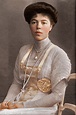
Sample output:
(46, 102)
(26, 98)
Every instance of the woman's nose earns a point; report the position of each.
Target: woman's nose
(39, 25)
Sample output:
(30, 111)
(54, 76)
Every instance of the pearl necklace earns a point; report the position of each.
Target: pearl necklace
(36, 57)
(39, 51)
(25, 82)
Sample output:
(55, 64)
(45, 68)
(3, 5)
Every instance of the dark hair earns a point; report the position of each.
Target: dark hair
(40, 7)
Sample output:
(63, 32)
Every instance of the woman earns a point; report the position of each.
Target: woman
(41, 69)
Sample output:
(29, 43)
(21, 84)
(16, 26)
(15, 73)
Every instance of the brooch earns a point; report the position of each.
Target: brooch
(44, 85)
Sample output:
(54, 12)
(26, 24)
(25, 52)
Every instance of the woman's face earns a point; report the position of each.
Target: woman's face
(40, 26)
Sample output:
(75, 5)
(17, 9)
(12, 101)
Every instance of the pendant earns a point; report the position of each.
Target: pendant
(36, 57)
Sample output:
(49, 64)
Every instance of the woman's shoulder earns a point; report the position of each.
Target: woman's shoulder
(59, 55)
(25, 47)
(59, 51)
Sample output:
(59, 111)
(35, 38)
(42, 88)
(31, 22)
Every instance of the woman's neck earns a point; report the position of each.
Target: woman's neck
(40, 45)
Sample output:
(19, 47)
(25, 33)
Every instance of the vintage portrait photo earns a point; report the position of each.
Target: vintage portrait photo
(37, 57)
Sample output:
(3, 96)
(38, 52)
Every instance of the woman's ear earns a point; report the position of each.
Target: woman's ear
(50, 28)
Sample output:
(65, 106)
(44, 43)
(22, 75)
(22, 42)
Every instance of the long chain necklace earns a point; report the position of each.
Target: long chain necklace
(17, 97)
(40, 57)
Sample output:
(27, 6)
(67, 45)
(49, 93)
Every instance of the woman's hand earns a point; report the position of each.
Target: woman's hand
(4, 105)
(10, 105)
(15, 105)
(19, 105)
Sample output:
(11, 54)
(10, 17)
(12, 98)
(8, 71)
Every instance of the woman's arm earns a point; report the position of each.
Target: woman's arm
(50, 99)
(16, 84)
(12, 92)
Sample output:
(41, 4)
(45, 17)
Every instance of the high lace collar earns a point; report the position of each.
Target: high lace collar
(40, 45)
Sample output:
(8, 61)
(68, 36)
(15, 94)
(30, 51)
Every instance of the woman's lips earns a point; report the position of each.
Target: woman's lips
(38, 32)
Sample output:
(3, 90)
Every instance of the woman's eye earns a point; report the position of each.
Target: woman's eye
(33, 22)
(44, 22)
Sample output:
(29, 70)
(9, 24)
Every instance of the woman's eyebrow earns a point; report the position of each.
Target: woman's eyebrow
(33, 19)
(37, 20)
(43, 20)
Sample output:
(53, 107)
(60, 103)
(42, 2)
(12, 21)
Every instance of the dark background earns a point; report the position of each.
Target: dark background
(14, 33)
